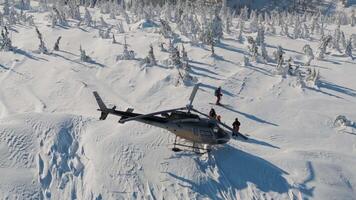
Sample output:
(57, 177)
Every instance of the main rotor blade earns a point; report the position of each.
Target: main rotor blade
(192, 96)
(150, 114)
(222, 124)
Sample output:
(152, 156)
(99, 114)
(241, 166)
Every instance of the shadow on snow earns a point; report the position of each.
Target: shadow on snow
(236, 169)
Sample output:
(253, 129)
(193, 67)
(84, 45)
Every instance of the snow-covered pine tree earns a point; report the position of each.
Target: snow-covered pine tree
(336, 38)
(322, 47)
(343, 40)
(252, 48)
(278, 54)
(166, 29)
(241, 29)
(174, 58)
(83, 56)
(308, 51)
(246, 61)
(87, 17)
(42, 46)
(353, 36)
(260, 38)
(216, 28)
(126, 54)
(348, 49)
(297, 28)
(264, 52)
(5, 41)
(6, 7)
(306, 32)
(113, 39)
(353, 18)
(56, 45)
(185, 58)
(120, 27)
(150, 60)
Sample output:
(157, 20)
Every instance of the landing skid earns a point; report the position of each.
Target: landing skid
(194, 148)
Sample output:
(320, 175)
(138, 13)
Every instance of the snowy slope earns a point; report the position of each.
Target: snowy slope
(53, 147)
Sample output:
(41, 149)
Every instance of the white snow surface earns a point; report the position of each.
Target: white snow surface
(52, 145)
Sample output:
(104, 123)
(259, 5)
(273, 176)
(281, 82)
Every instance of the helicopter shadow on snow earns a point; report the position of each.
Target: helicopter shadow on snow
(232, 170)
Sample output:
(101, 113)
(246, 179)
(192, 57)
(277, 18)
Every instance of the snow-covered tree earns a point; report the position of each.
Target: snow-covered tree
(217, 28)
(150, 60)
(322, 47)
(313, 78)
(343, 40)
(120, 27)
(260, 38)
(5, 41)
(246, 61)
(42, 47)
(126, 54)
(353, 36)
(56, 45)
(297, 29)
(241, 30)
(174, 58)
(252, 48)
(87, 17)
(264, 52)
(336, 39)
(166, 29)
(348, 49)
(308, 51)
(278, 54)
(6, 7)
(83, 56)
(353, 18)
(185, 58)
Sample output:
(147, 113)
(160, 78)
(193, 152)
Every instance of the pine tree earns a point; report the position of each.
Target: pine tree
(83, 56)
(87, 17)
(241, 29)
(216, 28)
(260, 38)
(56, 45)
(348, 49)
(322, 47)
(42, 47)
(278, 55)
(252, 47)
(309, 54)
(264, 52)
(150, 60)
(5, 41)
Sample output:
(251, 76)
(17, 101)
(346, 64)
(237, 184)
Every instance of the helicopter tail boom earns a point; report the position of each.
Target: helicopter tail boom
(102, 107)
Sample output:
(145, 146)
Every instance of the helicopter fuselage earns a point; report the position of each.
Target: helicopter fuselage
(184, 125)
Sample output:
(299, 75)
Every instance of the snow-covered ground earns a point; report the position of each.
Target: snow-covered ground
(52, 145)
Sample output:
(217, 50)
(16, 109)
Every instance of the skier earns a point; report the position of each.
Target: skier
(212, 113)
(236, 126)
(218, 95)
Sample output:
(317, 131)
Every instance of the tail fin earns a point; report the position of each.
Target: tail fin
(103, 108)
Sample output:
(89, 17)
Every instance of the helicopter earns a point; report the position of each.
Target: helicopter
(184, 122)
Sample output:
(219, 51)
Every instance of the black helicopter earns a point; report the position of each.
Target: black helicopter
(200, 130)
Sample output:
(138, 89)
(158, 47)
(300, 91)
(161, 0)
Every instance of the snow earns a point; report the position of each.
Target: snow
(52, 145)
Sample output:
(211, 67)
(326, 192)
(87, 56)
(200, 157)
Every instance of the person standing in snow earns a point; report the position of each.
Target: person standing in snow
(212, 113)
(218, 95)
(236, 126)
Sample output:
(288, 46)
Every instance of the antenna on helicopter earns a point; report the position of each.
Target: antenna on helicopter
(192, 96)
